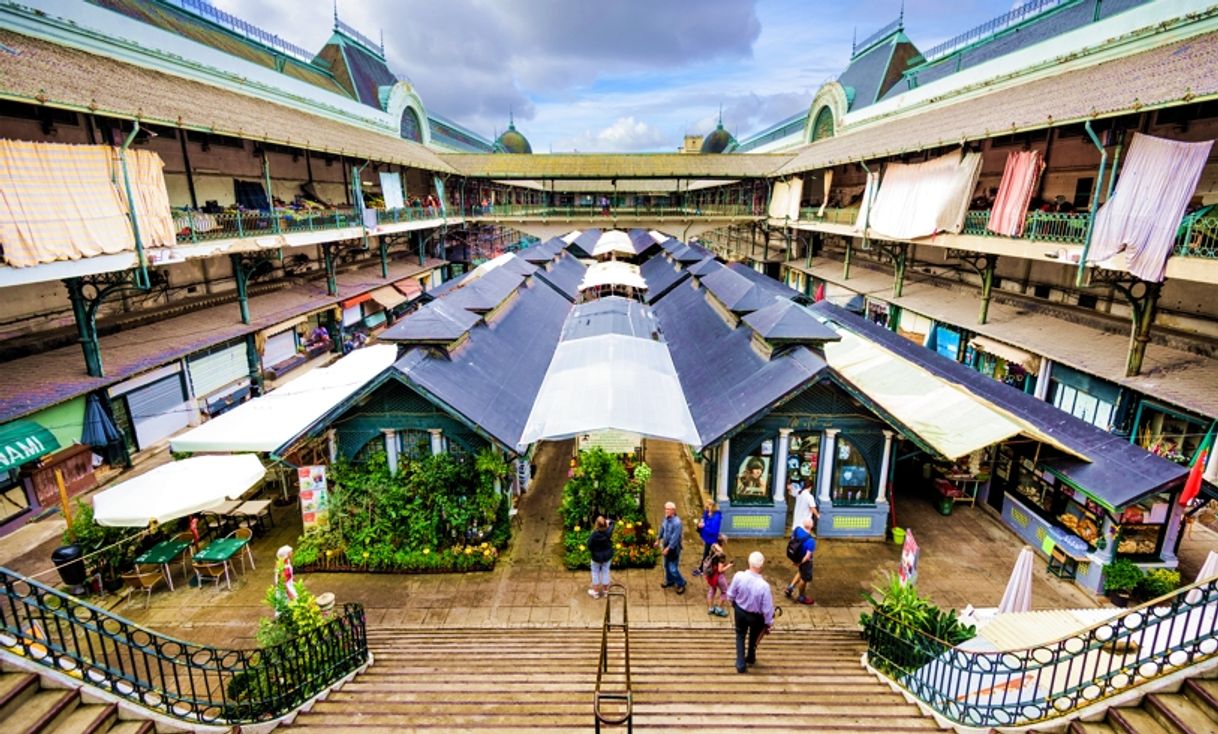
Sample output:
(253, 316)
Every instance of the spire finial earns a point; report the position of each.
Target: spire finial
(383, 40)
(901, 16)
(854, 38)
(511, 119)
(335, 13)
(720, 114)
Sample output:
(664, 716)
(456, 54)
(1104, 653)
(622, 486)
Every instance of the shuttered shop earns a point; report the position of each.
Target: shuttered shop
(210, 372)
(158, 409)
(279, 348)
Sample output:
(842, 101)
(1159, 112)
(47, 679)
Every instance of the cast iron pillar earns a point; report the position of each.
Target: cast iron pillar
(846, 260)
(87, 292)
(983, 265)
(327, 255)
(253, 361)
(898, 253)
(245, 269)
(384, 249)
(1143, 298)
(86, 328)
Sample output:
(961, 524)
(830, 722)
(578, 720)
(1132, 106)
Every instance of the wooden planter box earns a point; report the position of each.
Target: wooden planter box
(75, 463)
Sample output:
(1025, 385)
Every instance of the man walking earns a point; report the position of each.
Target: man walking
(803, 573)
(670, 547)
(754, 605)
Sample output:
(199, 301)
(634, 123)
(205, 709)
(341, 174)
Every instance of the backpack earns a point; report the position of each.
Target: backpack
(795, 549)
(709, 565)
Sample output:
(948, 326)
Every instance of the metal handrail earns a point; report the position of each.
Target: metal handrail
(192, 683)
(626, 695)
(993, 25)
(1054, 679)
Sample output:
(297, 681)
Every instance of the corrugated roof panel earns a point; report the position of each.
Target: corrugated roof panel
(439, 322)
(661, 276)
(787, 321)
(564, 275)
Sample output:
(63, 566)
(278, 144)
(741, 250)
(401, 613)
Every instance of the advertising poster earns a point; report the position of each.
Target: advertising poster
(314, 497)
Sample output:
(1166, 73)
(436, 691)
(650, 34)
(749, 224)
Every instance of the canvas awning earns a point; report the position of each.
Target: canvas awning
(409, 287)
(270, 422)
(23, 441)
(612, 381)
(613, 272)
(388, 297)
(357, 300)
(1028, 361)
(949, 419)
(177, 489)
(613, 241)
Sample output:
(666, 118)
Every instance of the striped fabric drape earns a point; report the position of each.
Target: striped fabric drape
(65, 202)
(1009, 212)
(1156, 181)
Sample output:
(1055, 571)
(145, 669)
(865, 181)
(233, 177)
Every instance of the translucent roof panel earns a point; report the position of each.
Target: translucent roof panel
(613, 272)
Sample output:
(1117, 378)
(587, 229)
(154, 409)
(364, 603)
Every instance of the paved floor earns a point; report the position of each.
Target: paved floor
(966, 559)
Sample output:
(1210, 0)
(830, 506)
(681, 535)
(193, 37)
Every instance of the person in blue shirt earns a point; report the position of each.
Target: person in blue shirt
(669, 543)
(804, 573)
(708, 530)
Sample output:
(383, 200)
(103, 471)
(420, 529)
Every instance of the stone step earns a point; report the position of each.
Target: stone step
(581, 706)
(1091, 727)
(15, 690)
(544, 719)
(132, 727)
(779, 726)
(88, 719)
(41, 712)
(1203, 694)
(1135, 721)
(1178, 714)
(353, 697)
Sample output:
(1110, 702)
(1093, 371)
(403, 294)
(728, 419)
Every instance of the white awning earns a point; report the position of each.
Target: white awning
(613, 241)
(612, 272)
(613, 382)
(177, 489)
(1028, 361)
(277, 418)
(572, 236)
(388, 297)
(948, 418)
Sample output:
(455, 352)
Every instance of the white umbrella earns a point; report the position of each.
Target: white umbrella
(177, 489)
(1209, 569)
(1018, 596)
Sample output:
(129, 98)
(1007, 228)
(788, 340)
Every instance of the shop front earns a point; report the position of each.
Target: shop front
(1005, 363)
(1169, 432)
(822, 441)
(1080, 525)
(1085, 397)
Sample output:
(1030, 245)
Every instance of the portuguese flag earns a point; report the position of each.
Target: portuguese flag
(1193, 485)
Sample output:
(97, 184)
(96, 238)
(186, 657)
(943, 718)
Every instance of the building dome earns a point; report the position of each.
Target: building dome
(511, 141)
(719, 141)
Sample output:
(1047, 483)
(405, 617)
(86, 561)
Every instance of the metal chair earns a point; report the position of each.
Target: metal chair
(190, 551)
(212, 524)
(215, 572)
(246, 534)
(143, 578)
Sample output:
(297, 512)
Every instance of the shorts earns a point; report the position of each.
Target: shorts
(805, 571)
(600, 573)
(716, 583)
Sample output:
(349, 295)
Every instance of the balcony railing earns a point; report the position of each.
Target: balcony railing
(1068, 227)
(193, 683)
(1198, 237)
(848, 215)
(539, 211)
(1056, 679)
(202, 227)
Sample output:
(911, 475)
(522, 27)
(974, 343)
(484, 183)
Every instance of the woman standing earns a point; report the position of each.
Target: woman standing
(716, 566)
(600, 545)
(708, 530)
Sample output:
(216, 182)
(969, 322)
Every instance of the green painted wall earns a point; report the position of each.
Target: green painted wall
(66, 420)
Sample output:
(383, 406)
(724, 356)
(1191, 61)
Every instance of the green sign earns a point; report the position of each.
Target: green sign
(22, 442)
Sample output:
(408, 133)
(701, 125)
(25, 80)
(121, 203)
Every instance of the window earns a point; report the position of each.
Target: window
(851, 480)
(413, 444)
(752, 483)
(1084, 406)
(1082, 192)
(822, 127)
(410, 129)
(803, 459)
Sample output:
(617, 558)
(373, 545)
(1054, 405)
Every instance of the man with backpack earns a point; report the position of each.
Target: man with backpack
(800, 548)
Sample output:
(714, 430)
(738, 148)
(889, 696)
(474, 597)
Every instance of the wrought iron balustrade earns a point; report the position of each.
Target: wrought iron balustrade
(1052, 680)
(539, 211)
(833, 215)
(1065, 227)
(194, 227)
(193, 683)
(1198, 237)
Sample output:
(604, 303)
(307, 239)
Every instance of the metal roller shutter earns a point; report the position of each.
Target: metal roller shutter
(279, 348)
(158, 409)
(211, 372)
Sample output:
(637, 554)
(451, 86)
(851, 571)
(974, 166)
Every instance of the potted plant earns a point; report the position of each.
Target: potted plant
(1121, 577)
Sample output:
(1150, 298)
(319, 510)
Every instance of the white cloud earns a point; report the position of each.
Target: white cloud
(625, 134)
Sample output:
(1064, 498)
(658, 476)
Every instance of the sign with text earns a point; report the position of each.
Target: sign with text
(314, 497)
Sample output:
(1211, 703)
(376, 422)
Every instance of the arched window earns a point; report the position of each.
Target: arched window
(411, 128)
(822, 125)
(851, 480)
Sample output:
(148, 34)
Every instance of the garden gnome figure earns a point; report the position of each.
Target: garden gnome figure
(285, 559)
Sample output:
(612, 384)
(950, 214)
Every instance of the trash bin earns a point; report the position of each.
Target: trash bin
(67, 560)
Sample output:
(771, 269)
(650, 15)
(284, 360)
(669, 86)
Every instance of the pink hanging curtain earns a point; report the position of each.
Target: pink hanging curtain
(1015, 192)
(1157, 180)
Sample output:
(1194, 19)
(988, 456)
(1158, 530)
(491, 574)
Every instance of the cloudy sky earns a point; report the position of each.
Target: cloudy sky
(615, 75)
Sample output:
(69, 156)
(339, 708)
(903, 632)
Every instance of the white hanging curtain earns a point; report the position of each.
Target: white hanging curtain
(824, 202)
(873, 183)
(1157, 180)
(794, 194)
(922, 199)
(391, 190)
(778, 199)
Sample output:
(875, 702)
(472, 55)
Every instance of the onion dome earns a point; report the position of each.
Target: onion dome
(511, 141)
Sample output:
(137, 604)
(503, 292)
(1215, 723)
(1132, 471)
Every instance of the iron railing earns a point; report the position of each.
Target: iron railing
(1198, 237)
(1006, 20)
(193, 683)
(201, 227)
(833, 215)
(240, 27)
(1055, 679)
(541, 211)
(1068, 227)
(614, 705)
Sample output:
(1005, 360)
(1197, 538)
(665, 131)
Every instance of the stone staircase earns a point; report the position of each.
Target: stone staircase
(27, 707)
(1191, 710)
(542, 681)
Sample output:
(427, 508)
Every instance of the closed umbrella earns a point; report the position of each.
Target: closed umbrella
(1209, 570)
(1018, 596)
(99, 431)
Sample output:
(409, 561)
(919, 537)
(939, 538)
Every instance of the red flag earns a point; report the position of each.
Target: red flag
(819, 295)
(1193, 485)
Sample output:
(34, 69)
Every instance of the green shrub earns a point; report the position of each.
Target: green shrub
(634, 546)
(1158, 582)
(1122, 576)
(906, 631)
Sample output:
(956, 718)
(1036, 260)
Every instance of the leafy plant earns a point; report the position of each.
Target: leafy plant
(109, 551)
(1158, 582)
(633, 546)
(906, 631)
(1122, 576)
